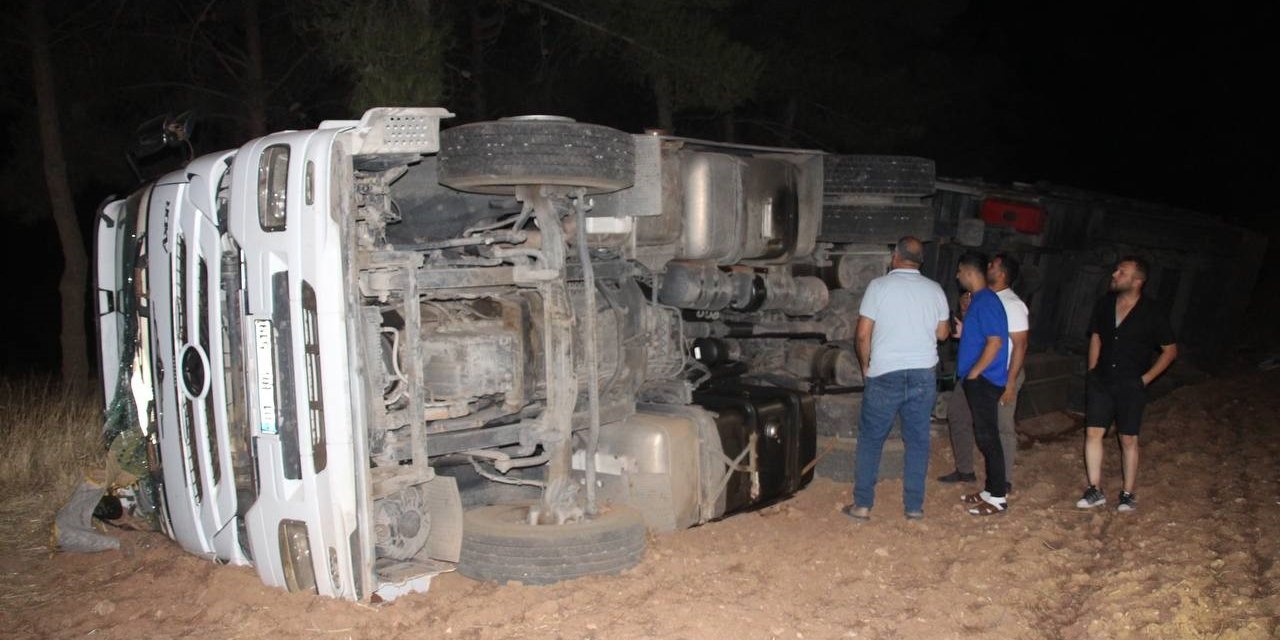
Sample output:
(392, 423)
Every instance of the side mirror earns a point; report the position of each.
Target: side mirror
(162, 132)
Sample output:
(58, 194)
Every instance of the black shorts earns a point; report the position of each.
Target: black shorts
(1119, 401)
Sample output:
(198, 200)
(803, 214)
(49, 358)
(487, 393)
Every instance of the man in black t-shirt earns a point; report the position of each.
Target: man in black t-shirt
(1126, 330)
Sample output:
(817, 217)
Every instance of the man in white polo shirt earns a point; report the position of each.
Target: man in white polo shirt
(902, 318)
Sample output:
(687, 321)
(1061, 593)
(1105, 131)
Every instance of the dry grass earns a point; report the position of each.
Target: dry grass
(49, 438)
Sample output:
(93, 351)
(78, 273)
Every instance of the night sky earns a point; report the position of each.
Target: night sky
(1166, 106)
(1138, 100)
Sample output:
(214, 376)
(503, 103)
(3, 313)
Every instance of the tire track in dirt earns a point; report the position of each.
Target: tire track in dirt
(1062, 549)
(1255, 430)
(1209, 478)
(1196, 541)
(1083, 565)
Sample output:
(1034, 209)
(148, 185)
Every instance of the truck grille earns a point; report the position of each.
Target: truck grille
(315, 394)
(180, 322)
(234, 390)
(210, 418)
(287, 406)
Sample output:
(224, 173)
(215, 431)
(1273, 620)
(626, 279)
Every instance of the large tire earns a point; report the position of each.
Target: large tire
(883, 223)
(499, 545)
(496, 157)
(878, 175)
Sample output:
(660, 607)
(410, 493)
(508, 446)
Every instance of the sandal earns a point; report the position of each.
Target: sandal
(975, 498)
(988, 509)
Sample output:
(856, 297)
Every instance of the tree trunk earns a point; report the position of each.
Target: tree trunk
(479, 102)
(75, 261)
(789, 122)
(728, 127)
(662, 96)
(255, 89)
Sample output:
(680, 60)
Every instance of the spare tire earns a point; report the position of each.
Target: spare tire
(878, 175)
(496, 157)
(498, 544)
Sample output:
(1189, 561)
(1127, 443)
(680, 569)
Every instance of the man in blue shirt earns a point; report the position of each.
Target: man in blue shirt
(902, 317)
(983, 361)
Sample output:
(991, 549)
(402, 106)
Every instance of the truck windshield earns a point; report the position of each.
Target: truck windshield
(130, 415)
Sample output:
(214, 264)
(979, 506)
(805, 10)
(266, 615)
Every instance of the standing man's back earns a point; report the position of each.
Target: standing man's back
(902, 318)
(905, 306)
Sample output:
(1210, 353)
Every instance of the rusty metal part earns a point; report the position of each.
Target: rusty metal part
(556, 424)
(591, 356)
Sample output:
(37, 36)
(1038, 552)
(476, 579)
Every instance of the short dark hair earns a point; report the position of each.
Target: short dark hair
(974, 259)
(1140, 265)
(1010, 266)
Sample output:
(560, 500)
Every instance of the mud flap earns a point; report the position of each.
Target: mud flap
(444, 508)
(443, 549)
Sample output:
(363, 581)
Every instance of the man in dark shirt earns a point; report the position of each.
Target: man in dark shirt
(1126, 330)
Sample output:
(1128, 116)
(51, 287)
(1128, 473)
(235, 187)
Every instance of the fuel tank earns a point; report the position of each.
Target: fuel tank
(782, 423)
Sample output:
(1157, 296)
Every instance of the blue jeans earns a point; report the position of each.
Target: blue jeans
(909, 393)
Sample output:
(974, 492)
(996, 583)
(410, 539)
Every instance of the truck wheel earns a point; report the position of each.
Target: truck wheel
(499, 545)
(878, 175)
(496, 157)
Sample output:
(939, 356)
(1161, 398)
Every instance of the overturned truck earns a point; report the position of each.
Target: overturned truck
(358, 356)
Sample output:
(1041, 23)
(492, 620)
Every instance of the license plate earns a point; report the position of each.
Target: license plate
(266, 376)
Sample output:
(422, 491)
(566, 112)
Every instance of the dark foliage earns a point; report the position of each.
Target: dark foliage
(1115, 97)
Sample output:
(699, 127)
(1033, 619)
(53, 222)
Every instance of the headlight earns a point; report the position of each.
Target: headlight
(295, 556)
(273, 185)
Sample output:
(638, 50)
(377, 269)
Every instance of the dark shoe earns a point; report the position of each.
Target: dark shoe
(956, 476)
(914, 515)
(857, 514)
(1128, 502)
(1092, 498)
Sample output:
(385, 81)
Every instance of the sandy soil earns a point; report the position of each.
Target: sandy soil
(1198, 560)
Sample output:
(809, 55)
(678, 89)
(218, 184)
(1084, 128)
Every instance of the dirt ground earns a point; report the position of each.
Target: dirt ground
(1198, 560)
